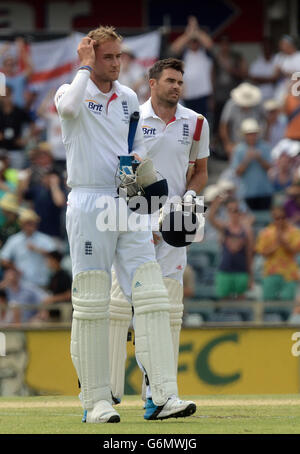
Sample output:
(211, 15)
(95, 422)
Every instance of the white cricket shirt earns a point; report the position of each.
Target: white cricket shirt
(96, 131)
(169, 145)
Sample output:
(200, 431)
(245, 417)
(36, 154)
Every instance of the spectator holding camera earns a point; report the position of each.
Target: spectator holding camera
(251, 162)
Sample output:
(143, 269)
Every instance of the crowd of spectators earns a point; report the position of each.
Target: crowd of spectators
(254, 115)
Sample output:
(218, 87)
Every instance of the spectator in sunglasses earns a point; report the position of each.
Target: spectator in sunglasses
(234, 275)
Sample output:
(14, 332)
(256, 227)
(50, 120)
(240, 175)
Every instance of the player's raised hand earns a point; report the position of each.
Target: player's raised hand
(86, 51)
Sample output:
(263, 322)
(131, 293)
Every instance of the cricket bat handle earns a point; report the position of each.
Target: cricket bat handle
(194, 148)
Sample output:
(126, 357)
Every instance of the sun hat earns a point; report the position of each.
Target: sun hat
(246, 95)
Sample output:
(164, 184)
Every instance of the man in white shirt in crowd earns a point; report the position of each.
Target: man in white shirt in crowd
(261, 71)
(193, 47)
(287, 62)
(168, 131)
(95, 113)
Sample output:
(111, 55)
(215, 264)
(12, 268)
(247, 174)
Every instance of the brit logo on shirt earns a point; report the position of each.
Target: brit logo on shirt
(148, 131)
(94, 107)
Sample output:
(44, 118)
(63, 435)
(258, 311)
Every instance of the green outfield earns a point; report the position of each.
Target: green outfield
(268, 414)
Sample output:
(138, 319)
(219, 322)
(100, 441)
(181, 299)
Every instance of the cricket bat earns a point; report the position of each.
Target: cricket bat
(194, 148)
(134, 119)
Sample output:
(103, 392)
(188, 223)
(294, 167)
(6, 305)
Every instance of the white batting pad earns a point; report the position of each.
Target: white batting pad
(153, 340)
(120, 314)
(89, 337)
(175, 293)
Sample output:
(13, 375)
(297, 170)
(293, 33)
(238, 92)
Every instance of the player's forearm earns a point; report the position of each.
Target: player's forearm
(198, 181)
(70, 102)
(179, 44)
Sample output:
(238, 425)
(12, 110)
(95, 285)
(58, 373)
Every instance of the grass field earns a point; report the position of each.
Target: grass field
(269, 414)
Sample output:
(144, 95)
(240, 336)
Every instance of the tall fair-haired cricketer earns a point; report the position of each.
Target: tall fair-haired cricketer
(94, 111)
(168, 132)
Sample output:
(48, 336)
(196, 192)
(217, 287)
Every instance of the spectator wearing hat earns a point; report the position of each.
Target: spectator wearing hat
(234, 275)
(26, 250)
(194, 47)
(10, 211)
(244, 102)
(279, 244)
(276, 122)
(251, 163)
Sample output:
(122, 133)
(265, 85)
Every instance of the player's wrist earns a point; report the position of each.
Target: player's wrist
(87, 65)
(191, 193)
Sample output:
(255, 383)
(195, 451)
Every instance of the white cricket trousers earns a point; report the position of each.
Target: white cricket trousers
(92, 249)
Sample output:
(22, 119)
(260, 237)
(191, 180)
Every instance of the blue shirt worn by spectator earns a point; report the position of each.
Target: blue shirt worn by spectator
(18, 84)
(25, 295)
(32, 264)
(255, 178)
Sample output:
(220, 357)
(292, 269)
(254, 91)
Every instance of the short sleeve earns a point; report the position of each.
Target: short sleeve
(203, 151)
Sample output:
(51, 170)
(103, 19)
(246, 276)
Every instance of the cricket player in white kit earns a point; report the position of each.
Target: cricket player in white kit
(168, 129)
(94, 111)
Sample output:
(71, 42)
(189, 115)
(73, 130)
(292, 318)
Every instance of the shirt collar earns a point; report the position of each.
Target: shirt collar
(94, 90)
(149, 112)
